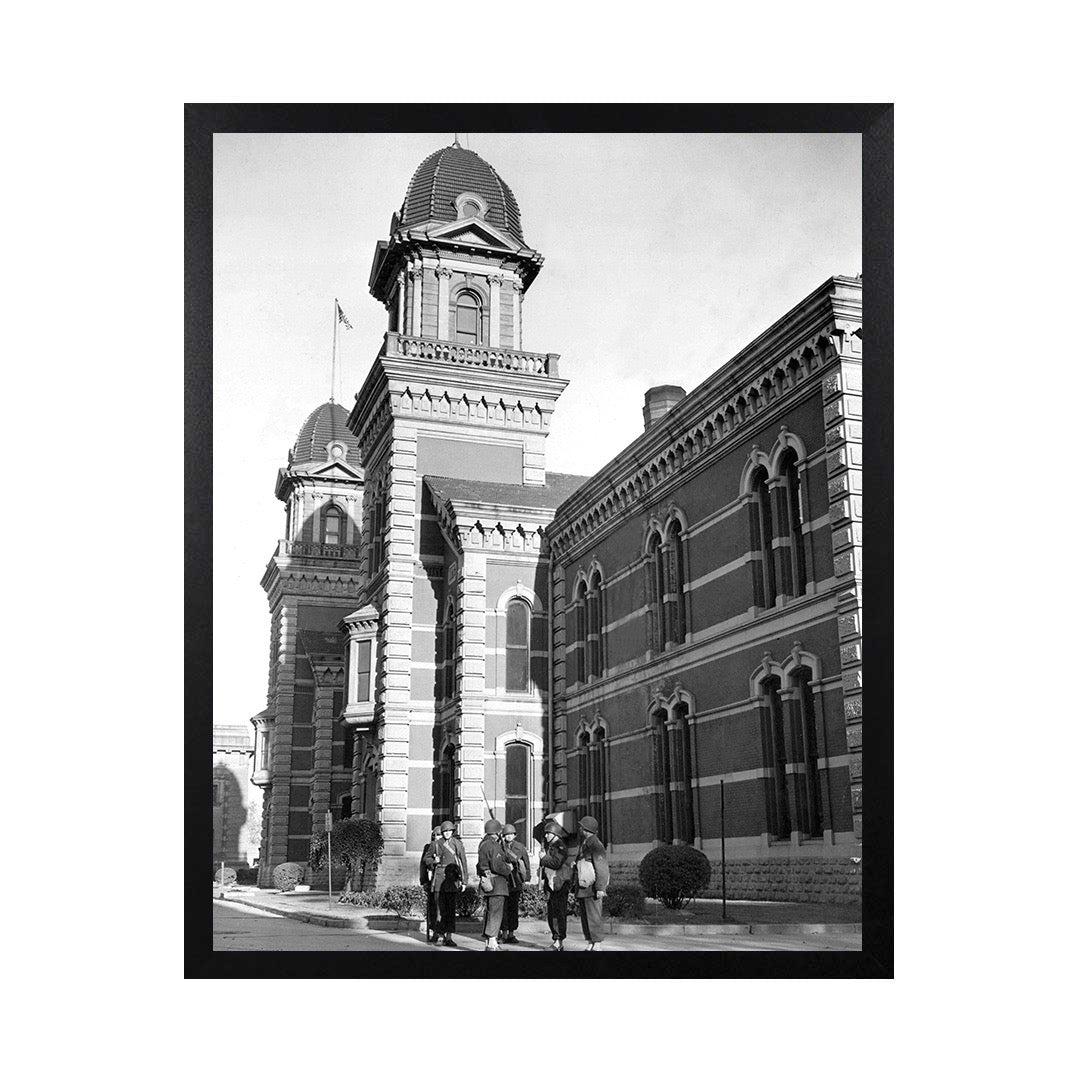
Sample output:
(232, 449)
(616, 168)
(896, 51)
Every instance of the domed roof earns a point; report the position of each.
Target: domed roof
(445, 175)
(327, 424)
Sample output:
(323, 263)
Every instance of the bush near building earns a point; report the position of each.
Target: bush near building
(624, 902)
(675, 874)
(288, 875)
(226, 876)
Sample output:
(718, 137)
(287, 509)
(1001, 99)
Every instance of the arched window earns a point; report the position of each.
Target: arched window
(470, 209)
(583, 773)
(594, 627)
(517, 647)
(468, 319)
(332, 526)
(581, 634)
(661, 776)
(518, 770)
(804, 728)
(795, 577)
(776, 760)
(761, 537)
(598, 781)
(654, 587)
(676, 621)
(681, 780)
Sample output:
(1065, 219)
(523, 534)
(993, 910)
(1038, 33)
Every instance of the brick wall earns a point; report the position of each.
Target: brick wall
(817, 881)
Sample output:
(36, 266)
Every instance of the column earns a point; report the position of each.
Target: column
(400, 326)
(472, 642)
(416, 276)
(397, 661)
(842, 395)
(350, 520)
(516, 286)
(443, 276)
(495, 319)
(316, 513)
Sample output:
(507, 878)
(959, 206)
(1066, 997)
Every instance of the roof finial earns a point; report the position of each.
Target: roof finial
(456, 143)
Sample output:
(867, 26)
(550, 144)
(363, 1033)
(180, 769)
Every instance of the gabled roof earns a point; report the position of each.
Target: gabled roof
(559, 487)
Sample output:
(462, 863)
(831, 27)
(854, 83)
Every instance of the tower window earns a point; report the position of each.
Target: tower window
(517, 646)
(470, 209)
(331, 526)
(469, 316)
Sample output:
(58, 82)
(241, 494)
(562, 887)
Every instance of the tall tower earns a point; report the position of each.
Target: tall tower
(303, 753)
(449, 678)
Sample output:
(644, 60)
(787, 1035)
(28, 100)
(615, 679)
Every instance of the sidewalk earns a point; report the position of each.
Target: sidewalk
(701, 919)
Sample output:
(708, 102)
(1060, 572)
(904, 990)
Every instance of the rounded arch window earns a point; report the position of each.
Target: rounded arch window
(518, 613)
(468, 318)
(470, 208)
(332, 526)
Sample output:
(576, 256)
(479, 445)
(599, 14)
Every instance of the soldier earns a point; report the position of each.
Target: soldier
(518, 855)
(450, 867)
(556, 869)
(427, 866)
(591, 875)
(493, 867)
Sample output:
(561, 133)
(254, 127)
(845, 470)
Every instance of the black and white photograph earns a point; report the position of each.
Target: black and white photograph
(537, 544)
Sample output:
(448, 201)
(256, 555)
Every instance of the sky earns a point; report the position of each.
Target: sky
(664, 254)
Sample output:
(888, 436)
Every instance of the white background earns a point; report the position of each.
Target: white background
(985, 738)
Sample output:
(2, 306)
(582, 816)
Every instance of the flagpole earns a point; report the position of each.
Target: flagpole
(333, 359)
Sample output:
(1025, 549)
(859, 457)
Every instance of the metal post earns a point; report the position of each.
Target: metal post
(329, 860)
(723, 857)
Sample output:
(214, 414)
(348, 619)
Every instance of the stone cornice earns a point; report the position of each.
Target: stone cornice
(477, 526)
(742, 396)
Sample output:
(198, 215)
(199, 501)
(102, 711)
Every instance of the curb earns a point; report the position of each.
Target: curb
(392, 923)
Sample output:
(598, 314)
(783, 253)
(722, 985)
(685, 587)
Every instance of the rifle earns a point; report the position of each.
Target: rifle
(491, 813)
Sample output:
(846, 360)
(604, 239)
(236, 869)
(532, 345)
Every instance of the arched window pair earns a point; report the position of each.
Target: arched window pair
(776, 531)
(469, 320)
(589, 618)
(665, 556)
(790, 746)
(592, 775)
(672, 771)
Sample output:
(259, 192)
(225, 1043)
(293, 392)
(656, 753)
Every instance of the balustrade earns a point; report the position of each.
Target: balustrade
(450, 352)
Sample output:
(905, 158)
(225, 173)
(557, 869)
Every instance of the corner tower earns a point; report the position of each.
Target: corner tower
(449, 646)
(303, 753)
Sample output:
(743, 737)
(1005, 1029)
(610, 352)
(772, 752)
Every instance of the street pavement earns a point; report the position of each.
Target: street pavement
(238, 928)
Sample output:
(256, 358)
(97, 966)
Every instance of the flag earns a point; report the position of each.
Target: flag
(341, 317)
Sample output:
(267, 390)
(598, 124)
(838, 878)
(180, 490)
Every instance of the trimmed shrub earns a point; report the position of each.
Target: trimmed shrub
(468, 903)
(247, 875)
(674, 874)
(288, 875)
(624, 902)
(405, 900)
(225, 876)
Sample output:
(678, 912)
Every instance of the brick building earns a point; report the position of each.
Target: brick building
(477, 632)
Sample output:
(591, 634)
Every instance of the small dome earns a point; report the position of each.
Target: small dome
(326, 425)
(451, 172)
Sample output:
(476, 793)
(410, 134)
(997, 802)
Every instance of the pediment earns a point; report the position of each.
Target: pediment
(335, 470)
(473, 230)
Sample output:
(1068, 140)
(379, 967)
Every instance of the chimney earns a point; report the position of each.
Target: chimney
(659, 401)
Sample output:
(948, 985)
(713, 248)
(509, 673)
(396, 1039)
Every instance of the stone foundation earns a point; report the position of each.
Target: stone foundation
(800, 881)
